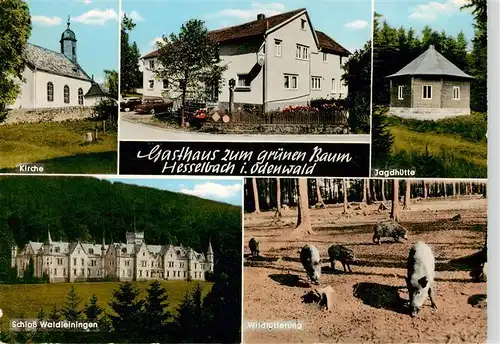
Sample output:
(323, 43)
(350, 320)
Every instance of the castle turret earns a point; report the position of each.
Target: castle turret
(68, 44)
(210, 256)
(47, 245)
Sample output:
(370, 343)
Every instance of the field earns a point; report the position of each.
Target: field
(458, 146)
(59, 146)
(27, 299)
(370, 303)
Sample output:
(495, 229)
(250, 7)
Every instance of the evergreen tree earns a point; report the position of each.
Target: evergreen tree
(41, 314)
(130, 75)
(128, 319)
(189, 323)
(155, 311)
(92, 310)
(29, 274)
(55, 314)
(70, 310)
(382, 139)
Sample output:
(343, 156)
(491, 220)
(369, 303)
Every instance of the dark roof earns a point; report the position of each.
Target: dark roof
(329, 45)
(53, 62)
(431, 62)
(95, 90)
(257, 28)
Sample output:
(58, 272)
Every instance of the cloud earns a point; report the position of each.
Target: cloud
(154, 42)
(241, 15)
(96, 17)
(210, 189)
(432, 10)
(47, 21)
(135, 16)
(357, 24)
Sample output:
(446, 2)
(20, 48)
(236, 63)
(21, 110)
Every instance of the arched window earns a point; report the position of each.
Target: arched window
(80, 96)
(50, 92)
(66, 94)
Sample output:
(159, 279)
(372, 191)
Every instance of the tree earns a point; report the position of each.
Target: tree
(318, 193)
(190, 61)
(130, 75)
(29, 274)
(365, 187)
(256, 195)
(382, 138)
(188, 322)
(303, 214)
(426, 189)
(54, 315)
(111, 83)
(406, 204)
(155, 311)
(41, 314)
(278, 198)
(344, 192)
(92, 310)
(70, 310)
(382, 187)
(395, 200)
(128, 319)
(15, 29)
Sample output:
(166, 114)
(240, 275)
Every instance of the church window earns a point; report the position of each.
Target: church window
(50, 92)
(80, 96)
(66, 97)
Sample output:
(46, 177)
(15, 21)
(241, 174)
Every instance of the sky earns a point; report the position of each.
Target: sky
(347, 22)
(222, 190)
(96, 26)
(438, 15)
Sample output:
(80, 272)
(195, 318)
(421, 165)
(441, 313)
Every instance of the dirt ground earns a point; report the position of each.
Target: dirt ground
(370, 302)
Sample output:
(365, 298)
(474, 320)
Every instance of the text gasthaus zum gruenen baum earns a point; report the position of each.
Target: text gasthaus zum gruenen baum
(241, 162)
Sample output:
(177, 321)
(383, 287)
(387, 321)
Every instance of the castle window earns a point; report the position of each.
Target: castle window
(79, 251)
(55, 272)
(64, 272)
(83, 272)
(184, 274)
(57, 250)
(140, 273)
(74, 261)
(66, 100)
(143, 254)
(74, 272)
(88, 272)
(80, 96)
(83, 262)
(168, 273)
(147, 273)
(195, 265)
(427, 92)
(50, 92)
(400, 92)
(91, 250)
(456, 92)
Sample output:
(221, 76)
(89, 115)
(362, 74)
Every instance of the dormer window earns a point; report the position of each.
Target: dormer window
(91, 251)
(303, 23)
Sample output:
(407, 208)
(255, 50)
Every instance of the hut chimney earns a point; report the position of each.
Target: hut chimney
(261, 16)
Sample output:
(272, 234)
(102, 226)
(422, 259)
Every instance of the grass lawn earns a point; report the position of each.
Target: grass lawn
(59, 146)
(29, 298)
(457, 145)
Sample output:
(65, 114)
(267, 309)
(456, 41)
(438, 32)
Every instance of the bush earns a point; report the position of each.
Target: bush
(106, 110)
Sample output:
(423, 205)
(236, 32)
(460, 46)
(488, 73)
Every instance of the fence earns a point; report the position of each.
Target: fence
(337, 117)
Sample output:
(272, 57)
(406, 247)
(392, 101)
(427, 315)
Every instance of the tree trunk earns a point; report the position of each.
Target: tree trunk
(344, 191)
(454, 190)
(406, 205)
(426, 190)
(458, 188)
(445, 191)
(395, 200)
(303, 215)
(364, 190)
(382, 189)
(256, 195)
(278, 198)
(372, 197)
(318, 193)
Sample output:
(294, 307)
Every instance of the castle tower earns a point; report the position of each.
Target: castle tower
(68, 44)
(210, 256)
(46, 263)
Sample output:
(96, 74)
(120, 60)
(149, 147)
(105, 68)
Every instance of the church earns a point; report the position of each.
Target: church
(130, 261)
(55, 79)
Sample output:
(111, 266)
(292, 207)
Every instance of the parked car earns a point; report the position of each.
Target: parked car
(129, 104)
(154, 106)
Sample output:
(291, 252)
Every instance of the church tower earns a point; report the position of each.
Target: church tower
(68, 44)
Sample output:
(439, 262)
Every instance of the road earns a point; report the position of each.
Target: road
(141, 132)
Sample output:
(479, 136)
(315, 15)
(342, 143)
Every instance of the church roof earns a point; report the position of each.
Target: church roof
(431, 62)
(53, 62)
(95, 90)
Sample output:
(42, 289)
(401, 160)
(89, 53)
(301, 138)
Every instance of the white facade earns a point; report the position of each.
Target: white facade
(35, 91)
(134, 260)
(296, 68)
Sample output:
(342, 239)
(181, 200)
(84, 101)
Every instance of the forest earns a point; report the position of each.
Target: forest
(81, 208)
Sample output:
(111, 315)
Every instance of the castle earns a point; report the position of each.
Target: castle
(135, 260)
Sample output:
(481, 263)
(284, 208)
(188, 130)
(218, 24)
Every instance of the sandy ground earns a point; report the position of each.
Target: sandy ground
(370, 303)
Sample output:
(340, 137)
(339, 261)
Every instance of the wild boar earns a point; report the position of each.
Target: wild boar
(343, 255)
(254, 247)
(309, 256)
(389, 228)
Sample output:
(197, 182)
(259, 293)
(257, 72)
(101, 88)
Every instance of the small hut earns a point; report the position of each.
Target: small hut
(430, 87)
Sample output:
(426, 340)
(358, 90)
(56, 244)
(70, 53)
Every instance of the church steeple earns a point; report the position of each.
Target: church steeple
(68, 43)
